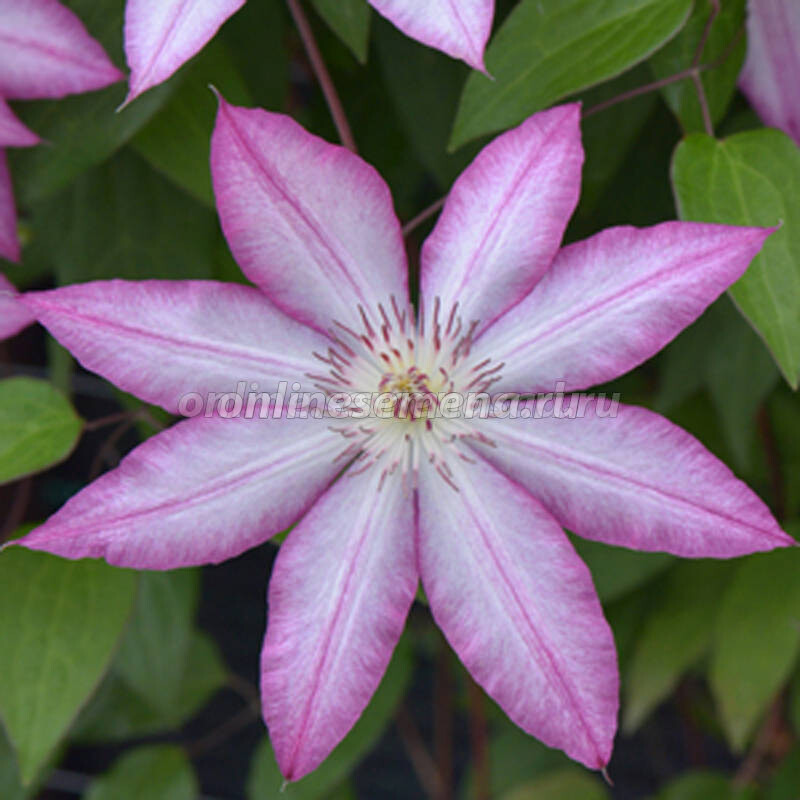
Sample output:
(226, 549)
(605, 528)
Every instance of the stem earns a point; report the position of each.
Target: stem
(423, 216)
(443, 721)
(224, 732)
(751, 766)
(421, 760)
(480, 741)
(708, 124)
(323, 76)
(16, 514)
(715, 9)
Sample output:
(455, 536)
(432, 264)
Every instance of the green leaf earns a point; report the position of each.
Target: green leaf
(38, 427)
(719, 83)
(752, 178)
(705, 786)
(349, 20)
(265, 778)
(177, 140)
(61, 624)
(160, 771)
(548, 49)
(617, 570)
(757, 640)
(559, 785)
(786, 778)
(123, 220)
(10, 784)
(676, 634)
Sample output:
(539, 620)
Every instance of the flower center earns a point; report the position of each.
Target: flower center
(401, 365)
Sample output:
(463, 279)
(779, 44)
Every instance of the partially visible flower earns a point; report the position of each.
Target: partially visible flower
(14, 316)
(161, 35)
(473, 507)
(770, 74)
(45, 52)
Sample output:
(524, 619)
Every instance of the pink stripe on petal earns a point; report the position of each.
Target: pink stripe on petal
(340, 591)
(201, 492)
(9, 239)
(769, 77)
(505, 216)
(12, 132)
(518, 606)
(161, 35)
(612, 301)
(309, 222)
(633, 480)
(161, 340)
(13, 315)
(460, 28)
(45, 51)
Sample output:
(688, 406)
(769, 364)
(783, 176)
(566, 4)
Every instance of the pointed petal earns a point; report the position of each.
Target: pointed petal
(12, 132)
(161, 340)
(9, 239)
(338, 599)
(200, 492)
(161, 35)
(769, 77)
(13, 315)
(633, 480)
(518, 606)
(309, 222)
(612, 301)
(505, 216)
(459, 28)
(45, 51)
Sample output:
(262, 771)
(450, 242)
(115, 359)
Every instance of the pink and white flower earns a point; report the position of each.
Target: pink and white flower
(769, 77)
(162, 35)
(45, 52)
(474, 508)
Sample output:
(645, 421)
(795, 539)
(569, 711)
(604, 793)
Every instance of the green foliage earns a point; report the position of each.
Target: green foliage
(60, 625)
(548, 49)
(265, 778)
(560, 785)
(161, 771)
(705, 786)
(38, 427)
(752, 178)
(349, 19)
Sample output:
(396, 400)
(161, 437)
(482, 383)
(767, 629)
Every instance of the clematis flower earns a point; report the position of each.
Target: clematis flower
(475, 508)
(162, 35)
(769, 77)
(45, 52)
(14, 316)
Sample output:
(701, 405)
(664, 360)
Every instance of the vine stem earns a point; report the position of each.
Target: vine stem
(323, 76)
(423, 216)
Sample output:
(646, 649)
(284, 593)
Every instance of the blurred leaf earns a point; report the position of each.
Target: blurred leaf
(59, 630)
(265, 778)
(719, 83)
(752, 178)
(123, 220)
(617, 570)
(159, 771)
(560, 785)
(757, 640)
(10, 785)
(676, 634)
(177, 140)
(548, 49)
(423, 84)
(38, 427)
(705, 786)
(349, 20)
(786, 779)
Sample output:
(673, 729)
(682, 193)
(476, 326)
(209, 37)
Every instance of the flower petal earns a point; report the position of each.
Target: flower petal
(161, 340)
(9, 239)
(200, 492)
(518, 606)
(460, 28)
(340, 591)
(12, 132)
(309, 222)
(769, 77)
(45, 51)
(634, 480)
(161, 35)
(612, 301)
(505, 216)
(13, 315)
